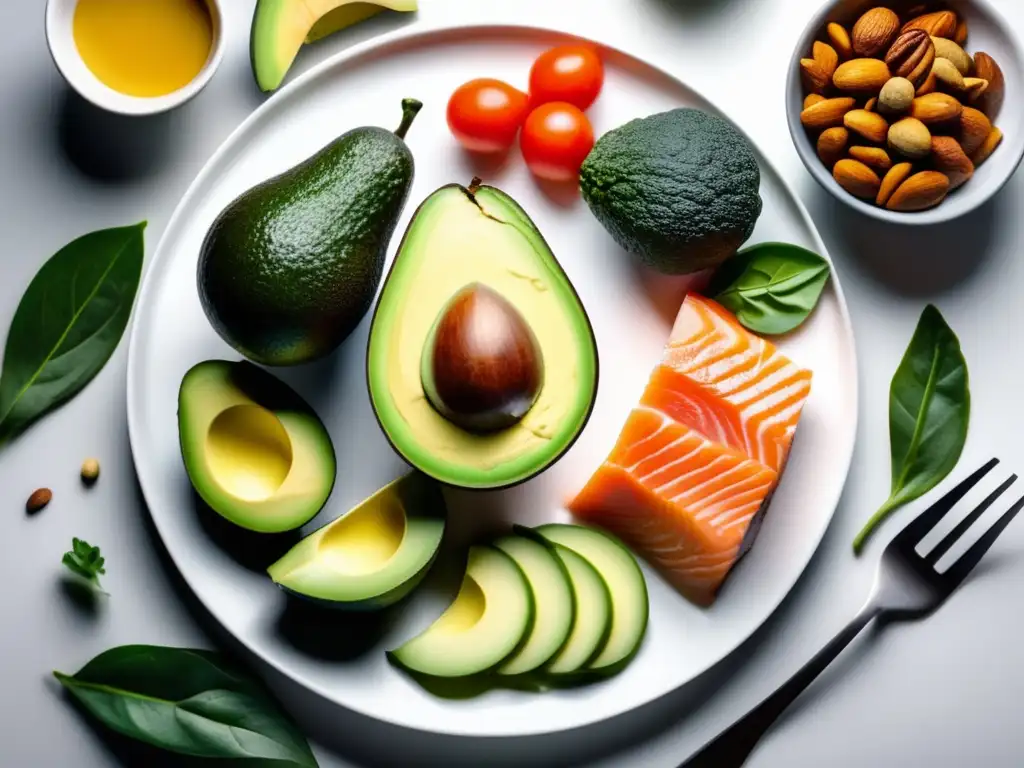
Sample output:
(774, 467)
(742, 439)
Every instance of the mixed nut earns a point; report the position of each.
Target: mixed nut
(901, 112)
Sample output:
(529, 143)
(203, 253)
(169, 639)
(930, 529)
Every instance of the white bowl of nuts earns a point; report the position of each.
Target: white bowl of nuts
(909, 112)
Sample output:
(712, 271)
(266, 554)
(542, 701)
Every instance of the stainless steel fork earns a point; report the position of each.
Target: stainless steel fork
(907, 586)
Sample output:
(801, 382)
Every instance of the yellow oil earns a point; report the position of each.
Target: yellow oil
(144, 47)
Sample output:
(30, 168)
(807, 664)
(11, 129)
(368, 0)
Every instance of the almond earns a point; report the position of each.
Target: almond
(911, 56)
(39, 499)
(947, 49)
(930, 85)
(896, 176)
(832, 146)
(840, 40)
(938, 24)
(826, 57)
(995, 138)
(871, 105)
(948, 75)
(816, 80)
(856, 178)
(874, 158)
(812, 99)
(874, 32)
(975, 87)
(985, 67)
(911, 138)
(949, 158)
(826, 114)
(861, 75)
(975, 127)
(921, 191)
(870, 125)
(960, 36)
(934, 108)
(896, 96)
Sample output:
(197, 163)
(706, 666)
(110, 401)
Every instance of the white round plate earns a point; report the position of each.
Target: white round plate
(342, 658)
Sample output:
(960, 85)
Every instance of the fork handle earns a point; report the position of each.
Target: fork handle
(733, 746)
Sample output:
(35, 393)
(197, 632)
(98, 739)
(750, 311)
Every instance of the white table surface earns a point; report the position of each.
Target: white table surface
(938, 693)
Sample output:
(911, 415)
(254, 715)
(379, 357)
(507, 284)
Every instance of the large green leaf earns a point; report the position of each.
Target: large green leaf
(772, 287)
(68, 324)
(187, 701)
(929, 411)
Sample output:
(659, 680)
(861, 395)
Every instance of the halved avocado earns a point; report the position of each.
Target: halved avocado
(554, 610)
(477, 243)
(593, 616)
(254, 450)
(625, 581)
(280, 27)
(489, 618)
(375, 554)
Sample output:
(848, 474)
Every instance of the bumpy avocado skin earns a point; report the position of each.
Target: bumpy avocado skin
(288, 269)
(679, 189)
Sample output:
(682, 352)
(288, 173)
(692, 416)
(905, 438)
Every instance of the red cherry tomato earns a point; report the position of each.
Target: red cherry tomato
(485, 114)
(571, 73)
(556, 139)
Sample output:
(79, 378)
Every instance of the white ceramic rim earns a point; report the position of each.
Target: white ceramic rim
(64, 51)
(418, 31)
(808, 154)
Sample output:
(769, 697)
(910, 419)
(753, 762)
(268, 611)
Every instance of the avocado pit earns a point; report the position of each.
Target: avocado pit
(482, 367)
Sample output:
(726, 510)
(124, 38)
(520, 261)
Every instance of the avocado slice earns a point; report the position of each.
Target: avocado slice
(479, 236)
(280, 27)
(289, 268)
(254, 450)
(625, 581)
(593, 616)
(489, 618)
(554, 610)
(375, 554)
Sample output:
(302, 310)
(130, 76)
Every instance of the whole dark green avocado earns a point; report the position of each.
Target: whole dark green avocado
(679, 189)
(290, 267)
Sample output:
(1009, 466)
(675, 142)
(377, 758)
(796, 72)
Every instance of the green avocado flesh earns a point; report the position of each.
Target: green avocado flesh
(554, 611)
(593, 615)
(289, 268)
(375, 554)
(487, 621)
(457, 238)
(679, 189)
(280, 27)
(254, 450)
(625, 582)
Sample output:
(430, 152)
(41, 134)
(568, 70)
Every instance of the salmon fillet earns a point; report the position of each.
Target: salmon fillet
(699, 458)
(678, 498)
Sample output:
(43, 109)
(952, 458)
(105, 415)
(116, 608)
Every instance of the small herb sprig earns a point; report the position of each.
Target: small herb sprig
(85, 561)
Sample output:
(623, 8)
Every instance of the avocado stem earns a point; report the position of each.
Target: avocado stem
(474, 185)
(410, 108)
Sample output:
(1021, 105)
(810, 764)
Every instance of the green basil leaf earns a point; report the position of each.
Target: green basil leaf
(191, 702)
(68, 324)
(929, 411)
(772, 287)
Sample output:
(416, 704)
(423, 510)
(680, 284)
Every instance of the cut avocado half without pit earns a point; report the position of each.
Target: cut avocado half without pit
(280, 27)
(375, 554)
(621, 574)
(488, 620)
(254, 450)
(554, 606)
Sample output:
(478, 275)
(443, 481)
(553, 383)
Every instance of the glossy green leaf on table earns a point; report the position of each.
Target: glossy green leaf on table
(771, 288)
(191, 702)
(929, 412)
(68, 324)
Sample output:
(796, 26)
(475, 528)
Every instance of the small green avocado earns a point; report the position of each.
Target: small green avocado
(375, 554)
(679, 189)
(280, 27)
(254, 450)
(288, 269)
(481, 363)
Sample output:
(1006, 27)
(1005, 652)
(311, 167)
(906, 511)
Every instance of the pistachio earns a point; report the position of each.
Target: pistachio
(90, 471)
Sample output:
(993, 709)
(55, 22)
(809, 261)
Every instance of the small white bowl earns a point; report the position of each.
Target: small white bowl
(60, 16)
(988, 32)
